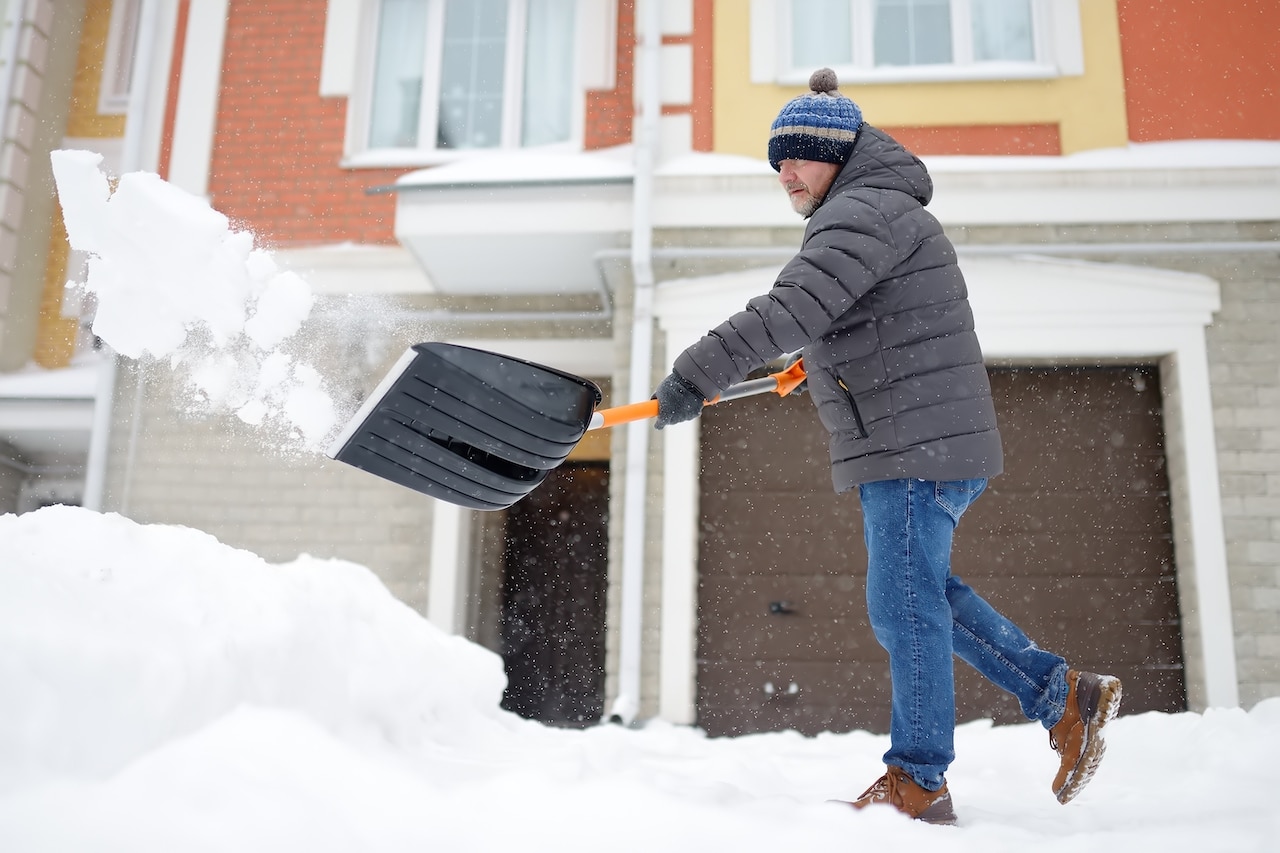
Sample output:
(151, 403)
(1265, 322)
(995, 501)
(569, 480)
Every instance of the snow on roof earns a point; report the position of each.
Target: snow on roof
(522, 166)
(79, 381)
(1181, 154)
(615, 164)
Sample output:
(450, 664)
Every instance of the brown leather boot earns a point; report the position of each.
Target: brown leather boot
(1092, 702)
(896, 788)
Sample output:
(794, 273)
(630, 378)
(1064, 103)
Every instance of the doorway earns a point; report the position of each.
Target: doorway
(555, 556)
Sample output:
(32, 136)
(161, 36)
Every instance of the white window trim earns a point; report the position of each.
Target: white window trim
(350, 32)
(1057, 36)
(1113, 318)
(119, 51)
(341, 48)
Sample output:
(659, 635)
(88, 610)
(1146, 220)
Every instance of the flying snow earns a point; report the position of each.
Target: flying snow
(174, 281)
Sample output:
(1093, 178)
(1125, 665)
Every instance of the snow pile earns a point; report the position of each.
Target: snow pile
(160, 691)
(195, 292)
(152, 633)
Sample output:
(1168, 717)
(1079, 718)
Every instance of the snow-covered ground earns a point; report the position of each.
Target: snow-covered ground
(161, 691)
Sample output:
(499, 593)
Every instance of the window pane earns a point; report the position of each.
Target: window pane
(913, 32)
(548, 73)
(471, 74)
(1002, 30)
(820, 33)
(397, 74)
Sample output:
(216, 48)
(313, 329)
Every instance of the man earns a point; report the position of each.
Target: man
(879, 306)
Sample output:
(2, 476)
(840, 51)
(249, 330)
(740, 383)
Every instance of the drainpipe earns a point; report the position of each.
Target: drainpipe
(137, 122)
(635, 484)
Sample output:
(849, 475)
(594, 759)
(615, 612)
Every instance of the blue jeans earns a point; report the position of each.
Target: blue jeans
(922, 615)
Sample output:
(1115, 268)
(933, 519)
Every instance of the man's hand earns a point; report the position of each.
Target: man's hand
(679, 400)
(788, 360)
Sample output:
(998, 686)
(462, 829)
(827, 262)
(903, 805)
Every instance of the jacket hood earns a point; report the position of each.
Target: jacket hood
(879, 161)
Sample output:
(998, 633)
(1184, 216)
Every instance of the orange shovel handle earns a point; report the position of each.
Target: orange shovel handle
(781, 383)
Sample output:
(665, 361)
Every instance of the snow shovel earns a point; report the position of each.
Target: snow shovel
(482, 430)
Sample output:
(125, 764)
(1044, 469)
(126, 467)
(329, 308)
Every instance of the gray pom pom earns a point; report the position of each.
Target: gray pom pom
(823, 81)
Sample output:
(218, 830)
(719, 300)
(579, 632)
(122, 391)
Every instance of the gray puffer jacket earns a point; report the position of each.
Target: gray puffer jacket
(878, 303)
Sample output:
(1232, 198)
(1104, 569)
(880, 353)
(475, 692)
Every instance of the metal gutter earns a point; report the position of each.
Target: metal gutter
(131, 159)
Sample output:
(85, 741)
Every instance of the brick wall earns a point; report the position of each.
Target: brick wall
(1200, 69)
(1244, 352)
(278, 145)
(219, 476)
(609, 111)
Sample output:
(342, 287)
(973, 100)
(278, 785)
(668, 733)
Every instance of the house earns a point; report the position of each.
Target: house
(582, 184)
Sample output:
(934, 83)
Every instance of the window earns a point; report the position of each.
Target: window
(454, 75)
(914, 40)
(117, 60)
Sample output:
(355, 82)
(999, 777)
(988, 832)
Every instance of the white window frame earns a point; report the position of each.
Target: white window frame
(1057, 46)
(117, 61)
(361, 154)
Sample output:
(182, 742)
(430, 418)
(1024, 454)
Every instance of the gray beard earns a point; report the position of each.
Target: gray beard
(807, 208)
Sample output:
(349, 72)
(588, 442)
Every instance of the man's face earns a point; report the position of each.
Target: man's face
(806, 183)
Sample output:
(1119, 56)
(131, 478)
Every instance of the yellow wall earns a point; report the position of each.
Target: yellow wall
(84, 120)
(1089, 109)
(56, 335)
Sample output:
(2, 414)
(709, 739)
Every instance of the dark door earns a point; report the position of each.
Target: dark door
(553, 597)
(1073, 542)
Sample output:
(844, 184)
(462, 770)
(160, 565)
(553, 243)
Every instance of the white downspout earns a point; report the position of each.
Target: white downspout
(136, 127)
(631, 633)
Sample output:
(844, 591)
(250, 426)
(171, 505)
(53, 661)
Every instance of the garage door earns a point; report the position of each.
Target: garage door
(1073, 542)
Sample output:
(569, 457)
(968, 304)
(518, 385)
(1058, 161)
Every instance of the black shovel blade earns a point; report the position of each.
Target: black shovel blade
(471, 427)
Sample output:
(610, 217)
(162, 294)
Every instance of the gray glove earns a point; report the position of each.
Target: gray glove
(679, 400)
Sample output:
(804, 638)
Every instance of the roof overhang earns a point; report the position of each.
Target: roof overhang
(48, 414)
(521, 223)
(536, 223)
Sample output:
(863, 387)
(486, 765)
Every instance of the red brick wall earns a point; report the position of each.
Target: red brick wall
(1023, 139)
(277, 145)
(1201, 69)
(609, 111)
(703, 74)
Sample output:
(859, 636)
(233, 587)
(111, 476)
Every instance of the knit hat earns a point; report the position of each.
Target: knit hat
(819, 125)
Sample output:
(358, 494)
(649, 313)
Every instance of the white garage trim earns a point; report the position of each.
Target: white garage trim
(1028, 309)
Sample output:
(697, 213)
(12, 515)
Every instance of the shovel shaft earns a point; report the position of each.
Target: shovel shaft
(781, 383)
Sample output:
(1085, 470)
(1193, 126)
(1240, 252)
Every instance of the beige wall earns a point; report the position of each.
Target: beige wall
(219, 476)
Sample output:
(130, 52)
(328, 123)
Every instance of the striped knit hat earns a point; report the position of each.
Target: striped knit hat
(819, 125)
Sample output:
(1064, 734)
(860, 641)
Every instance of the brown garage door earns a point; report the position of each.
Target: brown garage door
(1073, 542)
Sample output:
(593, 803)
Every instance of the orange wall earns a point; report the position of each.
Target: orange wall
(1201, 69)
